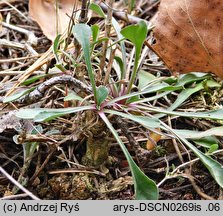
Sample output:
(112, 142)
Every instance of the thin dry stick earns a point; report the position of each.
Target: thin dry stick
(177, 149)
(197, 189)
(18, 59)
(18, 184)
(43, 165)
(109, 67)
(122, 15)
(108, 24)
(32, 39)
(141, 153)
(13, 44)
(84, 11)
(13, 197)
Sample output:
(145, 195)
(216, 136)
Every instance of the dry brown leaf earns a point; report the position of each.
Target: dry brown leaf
(44, 12)
(189, 35)
(1, 19)
(154, 139)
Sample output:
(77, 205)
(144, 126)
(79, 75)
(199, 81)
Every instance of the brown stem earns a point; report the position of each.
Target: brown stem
(108, 25)
(84, 11)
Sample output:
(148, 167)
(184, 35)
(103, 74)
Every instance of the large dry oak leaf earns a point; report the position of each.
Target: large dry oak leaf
(189, 35)
(52, 19)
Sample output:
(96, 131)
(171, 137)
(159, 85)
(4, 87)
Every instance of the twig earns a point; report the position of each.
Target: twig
(39, 92)
(141, 153)
(13, 197)
(123, 15)
(18, 59)
(197, 188)
(43, 165)
(108, 25)
(79, 170)
(18, 185)
(21, 139)
(84, 11)
(32, 39)
(13, 44)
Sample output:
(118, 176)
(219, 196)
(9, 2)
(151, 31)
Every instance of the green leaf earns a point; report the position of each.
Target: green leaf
(82, 32)
(213, 148)
(137, 35)
(207, 142)
(99, 41)
(186, 93)
(133, 99)
(189, 134)
(214, 167)
(56, 43)
(155, 88)
(18, 95)
(192, 77)
(102, 92)
(117, 28)
(72, 96)
(145, 188)
(119, 67)
(144, 79)
(214, 114)
(143, 120)
(97, 9)
(38, 77)
(30, 147)
(132, 4)
(46, 114)
(95, 32)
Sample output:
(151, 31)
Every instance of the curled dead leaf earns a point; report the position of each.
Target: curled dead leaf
(189, 35)
(154, 139)
(52, 18)
(1, 19)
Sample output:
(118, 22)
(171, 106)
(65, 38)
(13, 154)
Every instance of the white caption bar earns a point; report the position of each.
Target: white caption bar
(107, 208)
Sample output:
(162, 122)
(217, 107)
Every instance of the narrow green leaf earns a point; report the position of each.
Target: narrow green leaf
(152, 89)
(189, 134)
(192, 77)
(45, 114)
(207, 142)
(133, 99)
(30, 147)
(117, 28)
(214, 167)
(212, 149)
(82, 32)
(137, 35)
(18, 95)
(131, 4)
(38, 77)
(143, 120)
(56, 43)
(214, 114)
(119, 67)
(97, 9)
(144, 79)
(102, 92)
(72, 96)
(145, 188)
(95, 32)
(186, 93)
